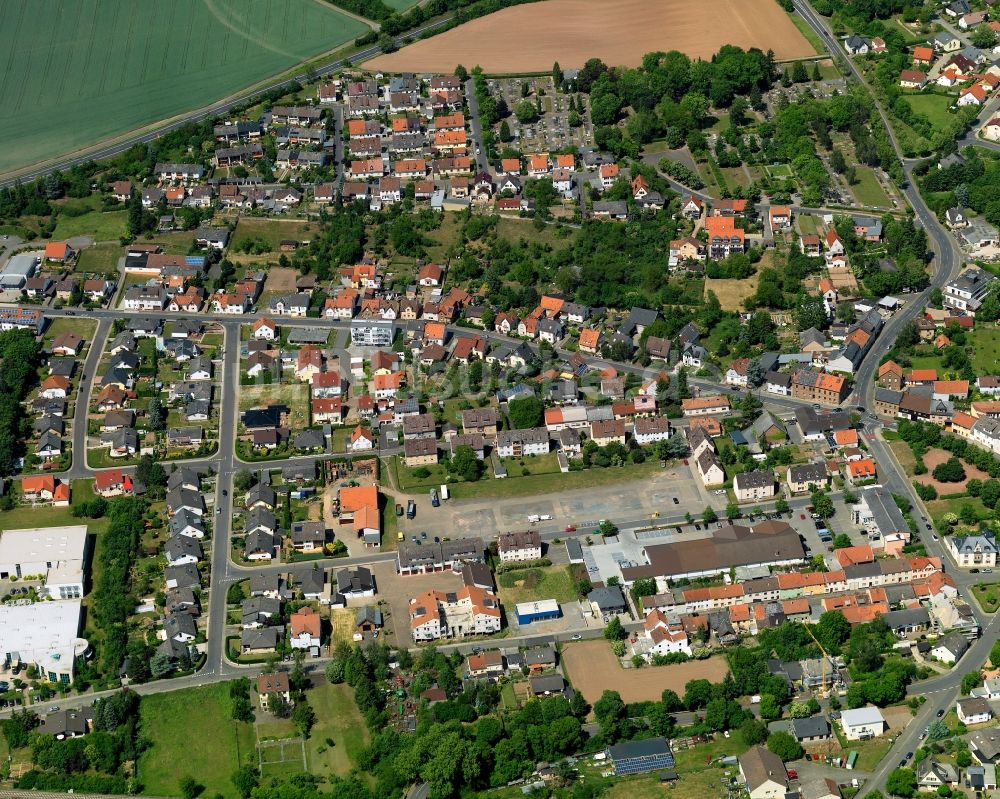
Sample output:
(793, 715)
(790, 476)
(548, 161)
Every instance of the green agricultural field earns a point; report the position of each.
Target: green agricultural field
(80, 72)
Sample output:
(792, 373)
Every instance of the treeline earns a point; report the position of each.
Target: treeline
(19, 353)
(458, 746)
(393, 23)
(93, 763)
(112, 602)
(861, 12)
(974, 184)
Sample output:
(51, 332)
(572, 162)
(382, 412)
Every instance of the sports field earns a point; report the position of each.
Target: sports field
(78, 72)
(529, 38)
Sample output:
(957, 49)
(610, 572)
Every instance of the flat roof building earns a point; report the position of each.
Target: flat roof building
(44, 634)
(55, 554)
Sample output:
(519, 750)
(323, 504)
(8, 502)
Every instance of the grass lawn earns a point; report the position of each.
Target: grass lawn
(552, 483)
(828, 70)
(339, 720)
(47, 516)
(84, 328)
(172, 57)
(939, 507)
(102, 258)
(177, 243)
(536, 464)
(779, 170)
(988, 596)
(531, 585)
(904, 455)
(99, 225)
(696, 758)
(870, 753)
(342, 624)
(515, 229)
(808, 223)
(508, 697)
(294, 395)
(932, 106)
(735, 176)
(167, 721)
(811, 36)
(273, 231)
(986, 342)
(868, 191)
(407, 481)
(732, 293)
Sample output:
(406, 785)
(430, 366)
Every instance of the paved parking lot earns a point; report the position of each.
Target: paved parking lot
(397, 592)
(628, 501)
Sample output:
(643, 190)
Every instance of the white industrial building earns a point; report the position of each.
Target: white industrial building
(53, 555)
(44, 634)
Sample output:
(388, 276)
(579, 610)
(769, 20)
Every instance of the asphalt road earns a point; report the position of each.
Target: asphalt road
(942, 691)
(475, 122)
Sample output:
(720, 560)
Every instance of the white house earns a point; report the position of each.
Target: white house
(526, 545)
(754, 486)
(862, 723)
(973, 710)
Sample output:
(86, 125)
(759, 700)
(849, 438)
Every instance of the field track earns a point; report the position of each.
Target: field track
(79, 71)
(529, 38)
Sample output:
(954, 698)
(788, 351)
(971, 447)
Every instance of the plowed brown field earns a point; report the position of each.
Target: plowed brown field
(593, 669)
(529, 38)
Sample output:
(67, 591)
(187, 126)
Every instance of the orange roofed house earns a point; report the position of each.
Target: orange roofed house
(45, 489)
(305, 629)
(359, 507)
(58, 251)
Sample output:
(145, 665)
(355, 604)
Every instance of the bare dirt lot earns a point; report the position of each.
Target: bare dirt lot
(571, 31)
(593, 668)
(935, 457)
(280, 280)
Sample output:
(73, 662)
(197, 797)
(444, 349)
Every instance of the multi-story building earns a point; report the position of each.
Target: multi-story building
(518, 443)
(372, 332)
(455, 614)
(973, 550)
(819, 387)
(521, 545)
(966, 292)
(754, 486)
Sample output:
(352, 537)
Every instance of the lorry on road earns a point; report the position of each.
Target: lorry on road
(411, 509)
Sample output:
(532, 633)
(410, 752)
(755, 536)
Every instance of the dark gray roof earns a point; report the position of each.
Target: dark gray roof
(812, 727)
(649, 747)
(608, 598)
